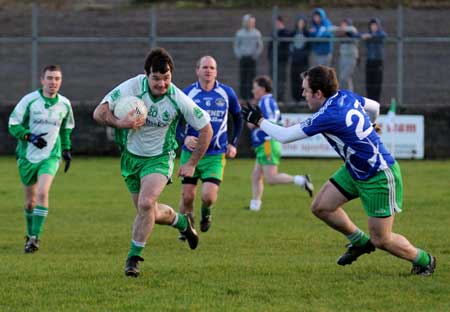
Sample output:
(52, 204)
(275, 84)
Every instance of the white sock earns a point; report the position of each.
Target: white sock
(175, 220)
(299, 180)
(139, 244)
(255, 205)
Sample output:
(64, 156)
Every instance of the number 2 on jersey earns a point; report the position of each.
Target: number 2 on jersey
(360, 133)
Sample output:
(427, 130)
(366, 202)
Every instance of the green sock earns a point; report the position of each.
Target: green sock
(358, 238)
(136, 248)
(39, 216)
(29, 220)
(180, 222)
(422, 258)
(206, 211)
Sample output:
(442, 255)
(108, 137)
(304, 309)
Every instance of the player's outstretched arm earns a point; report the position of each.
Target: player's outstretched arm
(283, 134)
(253, 115)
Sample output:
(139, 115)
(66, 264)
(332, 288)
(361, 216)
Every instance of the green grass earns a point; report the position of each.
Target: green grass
(279, 259)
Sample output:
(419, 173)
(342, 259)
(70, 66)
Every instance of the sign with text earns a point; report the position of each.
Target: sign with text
(404, 138)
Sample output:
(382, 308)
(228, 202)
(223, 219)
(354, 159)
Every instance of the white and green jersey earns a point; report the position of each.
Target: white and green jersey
(38, 114)
(157, 136)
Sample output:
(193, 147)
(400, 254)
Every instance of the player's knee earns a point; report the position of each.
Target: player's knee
(146, 205)
(256, 175)
(208, 200)
(188, 198)
(317, 209)
(380, 241)
(271, 180)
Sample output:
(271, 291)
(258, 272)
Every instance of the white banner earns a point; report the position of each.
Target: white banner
(405, 140)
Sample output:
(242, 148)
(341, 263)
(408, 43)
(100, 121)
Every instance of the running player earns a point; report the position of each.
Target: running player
(42, 122)
(149, 149)
(268, 150)
(370, 172)
(218, 100)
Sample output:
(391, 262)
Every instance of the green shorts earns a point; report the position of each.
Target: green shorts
(134, 168)
(30, 172)
(209, 167)
(268, 153)
(381, 195)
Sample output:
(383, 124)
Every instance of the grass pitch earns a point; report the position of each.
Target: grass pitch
(279, 259)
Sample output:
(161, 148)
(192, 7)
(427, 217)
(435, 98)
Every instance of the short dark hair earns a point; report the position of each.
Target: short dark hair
(322, 78)
(264, 82)
(158, 61)
(50, 68)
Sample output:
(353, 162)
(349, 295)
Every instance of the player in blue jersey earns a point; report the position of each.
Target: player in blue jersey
(370, 172)
(268, 150)
(218, 100)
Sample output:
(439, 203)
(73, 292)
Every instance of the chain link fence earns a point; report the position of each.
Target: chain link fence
(100, 48)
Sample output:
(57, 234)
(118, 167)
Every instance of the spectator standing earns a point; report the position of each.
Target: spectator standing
(375, 56)
(247, 47)
(321, 52)
(283, 57)
(348, 53)
(299, 50)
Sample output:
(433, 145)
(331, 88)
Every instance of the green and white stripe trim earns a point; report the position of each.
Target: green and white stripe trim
(40, 212)
(392, 196)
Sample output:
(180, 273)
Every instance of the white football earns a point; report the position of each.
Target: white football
(126, 104)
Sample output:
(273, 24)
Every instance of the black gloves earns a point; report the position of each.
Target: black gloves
(37, 140)
(67, 156)
(252, 114)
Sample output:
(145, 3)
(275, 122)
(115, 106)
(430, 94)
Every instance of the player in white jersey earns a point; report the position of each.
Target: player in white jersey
(42, 122)
(370, 172)
(149, 148)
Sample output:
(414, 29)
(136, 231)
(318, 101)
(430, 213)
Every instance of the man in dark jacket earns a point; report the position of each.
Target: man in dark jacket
(283, 56)
(299, 50)
(374, 64)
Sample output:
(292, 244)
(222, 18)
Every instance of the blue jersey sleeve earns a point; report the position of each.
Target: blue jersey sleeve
(233, 101)
(318, 123)
(181, 131)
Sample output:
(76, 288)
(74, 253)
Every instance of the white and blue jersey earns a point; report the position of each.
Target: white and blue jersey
(271, 112)
(217, 102)
(347, 127)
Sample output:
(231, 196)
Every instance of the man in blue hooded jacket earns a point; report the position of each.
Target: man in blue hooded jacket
(321, 52)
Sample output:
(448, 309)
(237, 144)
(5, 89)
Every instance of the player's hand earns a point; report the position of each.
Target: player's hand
(37, 140)
(187, 170)
(252, 114)
(377, 128)
(231, 151)
(67, 156)
(190, 142)
(130, 121)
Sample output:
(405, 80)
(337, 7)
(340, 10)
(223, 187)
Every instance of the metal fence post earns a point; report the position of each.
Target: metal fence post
(34, 45)
(274, 59)
(400, 54)
(152, 26)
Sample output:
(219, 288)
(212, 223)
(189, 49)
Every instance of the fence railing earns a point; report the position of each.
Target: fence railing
(153, 39)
